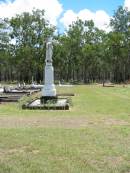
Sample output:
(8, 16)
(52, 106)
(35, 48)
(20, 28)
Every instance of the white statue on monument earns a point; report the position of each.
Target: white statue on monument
(49, 87)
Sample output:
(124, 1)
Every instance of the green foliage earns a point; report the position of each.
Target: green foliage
(28, 32)
(28, 99)
(120, 20)
(83, 54)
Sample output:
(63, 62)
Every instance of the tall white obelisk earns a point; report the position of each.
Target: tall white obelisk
(49, 87)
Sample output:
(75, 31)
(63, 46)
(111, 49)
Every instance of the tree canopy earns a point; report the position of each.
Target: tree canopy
(83, 53)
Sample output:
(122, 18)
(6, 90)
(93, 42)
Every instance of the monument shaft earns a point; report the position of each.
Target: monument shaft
(49, 87)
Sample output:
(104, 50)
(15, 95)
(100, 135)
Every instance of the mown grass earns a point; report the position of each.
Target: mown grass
(96, 148)
(89, 101)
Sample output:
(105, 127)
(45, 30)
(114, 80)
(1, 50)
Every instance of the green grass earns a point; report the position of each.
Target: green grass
(100, 146)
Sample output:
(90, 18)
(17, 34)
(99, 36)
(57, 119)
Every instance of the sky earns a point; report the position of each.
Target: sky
(62, 13)
(108, 5)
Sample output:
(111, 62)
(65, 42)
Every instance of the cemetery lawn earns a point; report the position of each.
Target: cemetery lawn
(92, 137)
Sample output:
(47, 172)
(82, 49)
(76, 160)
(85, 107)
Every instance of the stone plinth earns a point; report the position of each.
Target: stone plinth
(56, 104)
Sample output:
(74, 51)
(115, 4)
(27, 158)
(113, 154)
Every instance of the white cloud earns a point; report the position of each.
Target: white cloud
(127, 4)
(100, 18)
(52, 8)
(68, 18)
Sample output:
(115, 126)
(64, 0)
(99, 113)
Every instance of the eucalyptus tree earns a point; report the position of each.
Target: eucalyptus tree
(29, 32)
(120, 43)
(94, 53)
(61, 57)
(4, 49)
(79, 52)
(74, 46)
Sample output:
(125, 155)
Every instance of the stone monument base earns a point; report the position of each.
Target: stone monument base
(48, 103)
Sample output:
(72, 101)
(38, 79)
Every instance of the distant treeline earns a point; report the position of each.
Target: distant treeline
(82, 54)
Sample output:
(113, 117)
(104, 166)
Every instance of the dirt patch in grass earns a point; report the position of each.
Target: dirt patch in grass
(65, 122)
(56, 122)
(115, 122)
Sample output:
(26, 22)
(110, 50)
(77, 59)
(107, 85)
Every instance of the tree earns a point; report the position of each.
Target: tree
(120, 42)
(4, 49)
(29, 31)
